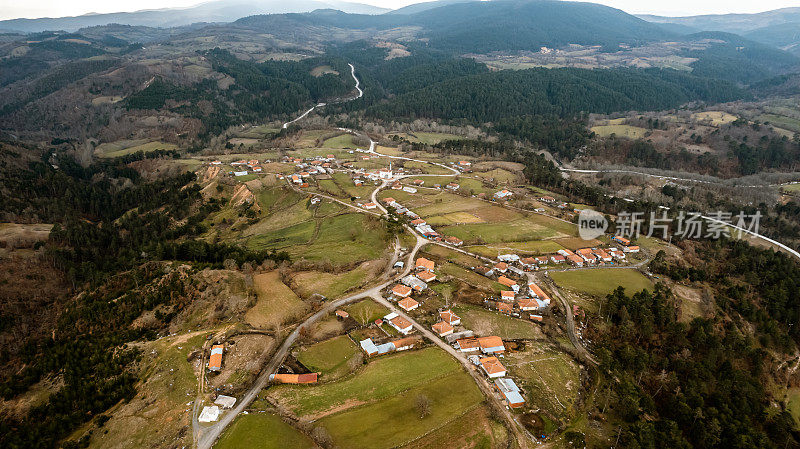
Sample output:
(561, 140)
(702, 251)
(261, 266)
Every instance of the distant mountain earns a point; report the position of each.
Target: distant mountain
(424, 6)
(732, 23)
(214, 11)
(480, 27)
(785, 36)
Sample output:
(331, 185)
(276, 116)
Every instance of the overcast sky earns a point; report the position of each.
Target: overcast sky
(57, 8)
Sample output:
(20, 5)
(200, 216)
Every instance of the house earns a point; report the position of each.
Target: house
(631, 249)
(370, 206)
(240, 173)
(528, 304)
(385, 173)
(453, 186)
(507, 295)
(529, 263)
(396, 185)
(401, 324)
(492, 367)
(621, 240)
(455, 241)
(508, 283)
(404, 343)
(217, 163)
(602, 255)
(491, 345)
(417, 222)
(240, 162)
(557, 258)
(503, 194)
(408, 304)
(465, 163)
(215, 360)
(510, 392)
(426, 276)
(468, 345)
(502, 267)
(587, 255)
(411, 215)
(542, 259)
(449, 317)
(424, 264)
(401, 291)
(516, 271)
(389, 201)
(442, 328)
(575, 260)
(537, 318)
(257, 169)
(547, 199)
(618, 255)
(409, 189)
(486, 271)
(296, 179)
(418, 182)
(504, 308)
(341, 314)
(308, 378)
(414, 282)
(358, 182)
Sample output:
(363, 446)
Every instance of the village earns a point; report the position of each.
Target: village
(414, 324)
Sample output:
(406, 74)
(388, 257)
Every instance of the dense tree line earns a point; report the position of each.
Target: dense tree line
(559, 92)
(684, 385)
(564, 137)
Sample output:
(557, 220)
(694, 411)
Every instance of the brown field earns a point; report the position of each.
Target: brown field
(276, 304)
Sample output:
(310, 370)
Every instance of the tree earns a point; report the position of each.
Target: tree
(423, 404)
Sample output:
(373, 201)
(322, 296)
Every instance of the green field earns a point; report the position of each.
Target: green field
(470, 277)
(262, 431)
(534, 247)
(550, 377)
(366, 311)
(631, 132)
(428, 138)
(791, 188)
(513, 231)
(123, 147)
(488, 322)
(381, 378)
(395, 421)
(341, 141)
(329, 357)
(793, 405)
(602, 281)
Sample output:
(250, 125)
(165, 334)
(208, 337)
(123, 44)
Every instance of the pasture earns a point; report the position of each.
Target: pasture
(602, 281)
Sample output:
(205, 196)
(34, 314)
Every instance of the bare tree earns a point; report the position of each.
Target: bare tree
(423, 404)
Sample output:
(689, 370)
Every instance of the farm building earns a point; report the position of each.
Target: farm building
(449, 317)
(341, 314)
(510, 391)
(414, 282)
(417, 222)
(371, 349)
(209, 414)
(621, 240)
(508, 283)
(491, 345)
(528, 304)
(308, 378)
(537, 291)
(225, 401)
(492, 367)
(370, 206)
(631, 249)
(401, 324)
(215, 360)
(503, 194)
(486, 271)
(455, 241)
(537, 318)
(504, 308)
(404, 343)
(408, 304)
(442, 328)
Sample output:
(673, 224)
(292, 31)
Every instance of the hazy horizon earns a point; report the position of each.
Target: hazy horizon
(34, 9)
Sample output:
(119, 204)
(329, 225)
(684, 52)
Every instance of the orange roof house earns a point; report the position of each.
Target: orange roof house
(408, 304)
(418, 222)
(425, 264)
(492, 367)
(501, 267)
(526, 304)
(309, 378)
(442, 328)
(426, 276)
(342, 314)
(449, 317)
(468, 344)
(491, 345)
(505, 308)
(455, 241)
(401, 290)
(401, 324)
(537, 291)
(507, 295)
(215, 361)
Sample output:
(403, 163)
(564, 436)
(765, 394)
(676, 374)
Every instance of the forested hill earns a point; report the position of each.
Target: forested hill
(474, 27)
(564, 92)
